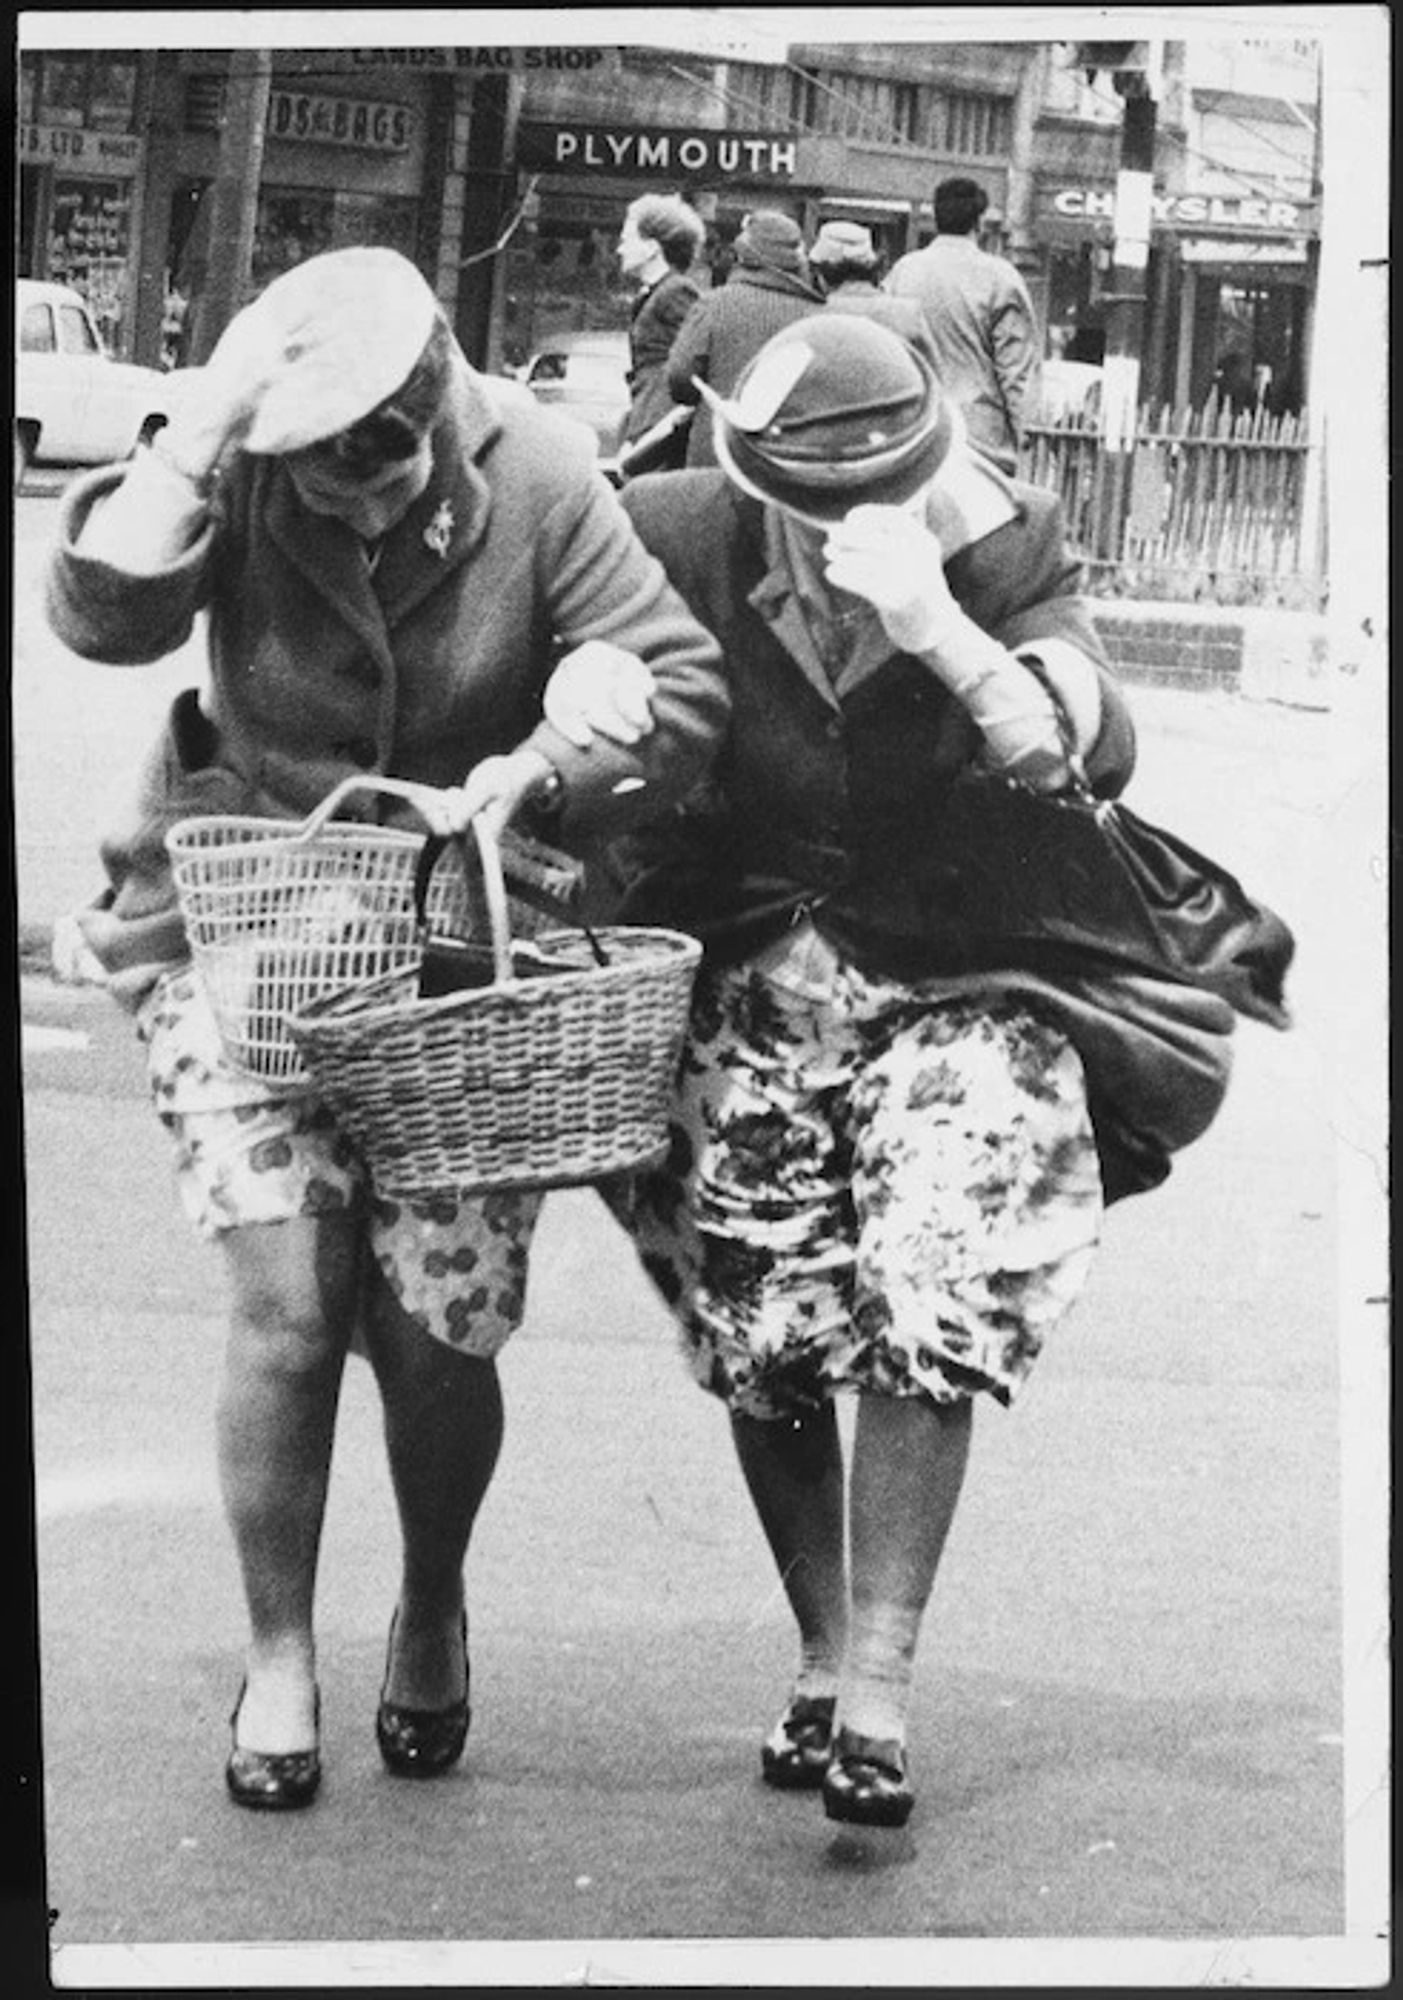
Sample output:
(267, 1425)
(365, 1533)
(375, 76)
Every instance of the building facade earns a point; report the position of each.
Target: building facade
(505, 173)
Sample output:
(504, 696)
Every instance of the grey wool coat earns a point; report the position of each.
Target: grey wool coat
(721, 333)
(516, 552)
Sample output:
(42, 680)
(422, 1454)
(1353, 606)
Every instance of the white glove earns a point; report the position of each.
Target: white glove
(497, 788)
(891, 559)
(599, 689)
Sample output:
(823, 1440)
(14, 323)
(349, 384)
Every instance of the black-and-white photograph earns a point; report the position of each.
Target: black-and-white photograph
(699, 712)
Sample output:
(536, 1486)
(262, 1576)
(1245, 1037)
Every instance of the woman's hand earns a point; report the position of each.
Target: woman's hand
(891, 559)
(220, 401)
(600, 690)
(496, 789)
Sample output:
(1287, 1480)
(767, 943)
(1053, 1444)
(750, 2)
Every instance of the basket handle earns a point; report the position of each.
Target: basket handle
(421, 796)
(490, 859)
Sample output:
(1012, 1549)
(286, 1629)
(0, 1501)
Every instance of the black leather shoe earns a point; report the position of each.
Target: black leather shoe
(421, 1742)
(272, 1781)
(866, 1784)
(796, 1755)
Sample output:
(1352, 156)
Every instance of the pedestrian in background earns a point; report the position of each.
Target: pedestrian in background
(768, 286)
(658, 244)
(845, 266)
(884, 1178)
(981, 321)
(391, 555)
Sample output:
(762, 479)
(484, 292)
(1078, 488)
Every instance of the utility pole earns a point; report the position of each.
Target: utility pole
(1132, 66)
(233, 197)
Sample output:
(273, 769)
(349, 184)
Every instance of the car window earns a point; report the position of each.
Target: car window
(547, 368)
(36, 330)
(75, 333)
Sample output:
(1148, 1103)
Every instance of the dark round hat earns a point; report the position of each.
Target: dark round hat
(835, 410)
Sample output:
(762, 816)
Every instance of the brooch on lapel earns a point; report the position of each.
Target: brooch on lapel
(439, 533)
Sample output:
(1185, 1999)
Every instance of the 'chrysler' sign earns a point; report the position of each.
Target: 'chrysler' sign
(651, 149)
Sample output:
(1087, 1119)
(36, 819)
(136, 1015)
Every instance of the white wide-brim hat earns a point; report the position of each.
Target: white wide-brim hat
(338, 333)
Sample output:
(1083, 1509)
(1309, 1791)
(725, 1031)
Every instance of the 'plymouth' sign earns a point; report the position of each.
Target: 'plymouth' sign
(656, 150)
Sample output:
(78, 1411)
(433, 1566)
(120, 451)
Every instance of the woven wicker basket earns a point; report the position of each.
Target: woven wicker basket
(279, 911)
(559, 1072)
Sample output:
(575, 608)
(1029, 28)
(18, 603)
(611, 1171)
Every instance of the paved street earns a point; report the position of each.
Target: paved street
(1129, 1733)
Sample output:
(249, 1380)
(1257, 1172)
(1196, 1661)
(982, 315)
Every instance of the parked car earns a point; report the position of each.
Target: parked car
(75, 405)
(584, 375)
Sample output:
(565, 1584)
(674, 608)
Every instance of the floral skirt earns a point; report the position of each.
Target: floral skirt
(875, 1186)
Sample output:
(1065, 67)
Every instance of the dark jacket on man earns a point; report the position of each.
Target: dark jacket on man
(658, 314)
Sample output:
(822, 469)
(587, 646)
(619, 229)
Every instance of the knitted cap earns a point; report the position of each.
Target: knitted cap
(771, 238)
(341, 332)
(834, 410)
(842, 243)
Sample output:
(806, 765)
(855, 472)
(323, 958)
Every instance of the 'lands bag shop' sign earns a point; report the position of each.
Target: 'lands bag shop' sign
(655, 149)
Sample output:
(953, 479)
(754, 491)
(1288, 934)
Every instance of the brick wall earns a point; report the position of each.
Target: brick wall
(1178, 650)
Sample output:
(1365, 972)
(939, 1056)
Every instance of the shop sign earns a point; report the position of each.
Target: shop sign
(1230, 250)
(476, 58)
(1187, 211)
(653, 149)
(339, 121)
(66, 146)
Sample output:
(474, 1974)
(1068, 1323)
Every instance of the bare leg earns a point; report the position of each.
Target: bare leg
(909, 1458)
(443, 1432)
(293, 1286)
(794, 1471)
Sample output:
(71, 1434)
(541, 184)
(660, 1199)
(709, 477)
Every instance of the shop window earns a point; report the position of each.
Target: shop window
(93, 92)
(28, 89)
(112, 95)
(89, 244)
(762, 95)
(63, 96)
(976, 126)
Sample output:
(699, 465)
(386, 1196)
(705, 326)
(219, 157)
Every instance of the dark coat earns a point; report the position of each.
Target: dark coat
(516, 551)
(722, 332)
(829, 809)
(828, 805)
(657, 317)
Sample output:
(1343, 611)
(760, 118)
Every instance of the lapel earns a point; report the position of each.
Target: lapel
(423, 549)
(327, 553)
(775, 597)
(448, 520)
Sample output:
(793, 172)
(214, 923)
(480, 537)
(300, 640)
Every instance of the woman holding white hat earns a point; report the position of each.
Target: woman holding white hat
(395, 559)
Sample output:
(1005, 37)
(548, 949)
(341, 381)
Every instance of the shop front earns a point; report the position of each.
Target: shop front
(1228, 289)
(343, 163)
(576, 178)
(80, 179)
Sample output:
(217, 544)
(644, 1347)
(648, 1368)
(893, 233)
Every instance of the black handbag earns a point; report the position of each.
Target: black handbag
(1017, 877)
(540, 878)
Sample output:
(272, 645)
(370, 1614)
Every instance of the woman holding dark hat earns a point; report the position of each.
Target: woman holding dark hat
(885, 1178)
(396, 557)
(768, 287)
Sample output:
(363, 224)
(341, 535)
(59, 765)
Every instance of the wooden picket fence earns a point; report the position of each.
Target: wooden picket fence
(1212, 506)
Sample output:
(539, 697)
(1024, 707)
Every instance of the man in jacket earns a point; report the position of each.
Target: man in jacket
(768, 286)
(981, 321)
(395, 557)
(658, 244)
